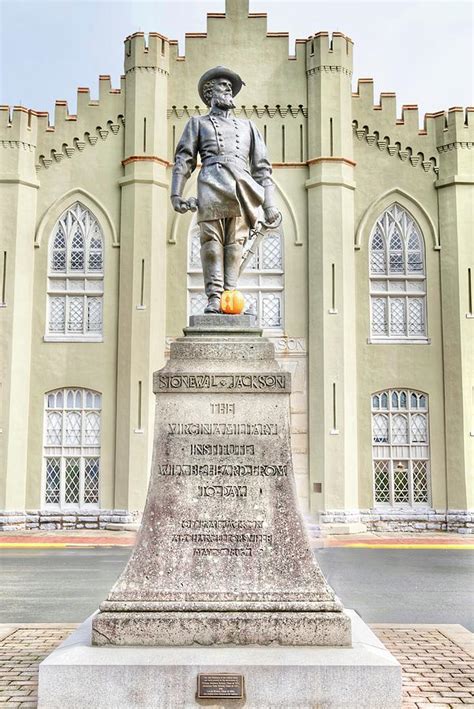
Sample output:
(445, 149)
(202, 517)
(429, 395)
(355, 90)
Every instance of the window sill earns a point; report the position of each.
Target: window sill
(398, 341)
(401, 507)
(71, 338)
(469, 316)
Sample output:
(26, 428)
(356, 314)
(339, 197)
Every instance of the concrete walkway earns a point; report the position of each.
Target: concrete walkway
(437, 662)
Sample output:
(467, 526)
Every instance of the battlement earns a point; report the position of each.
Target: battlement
(18, 123)
(325, 53)
(454, 125)
(70, 133)
(153, 53)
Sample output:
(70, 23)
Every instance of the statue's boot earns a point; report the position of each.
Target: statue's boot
(232, 261)
(212, 258)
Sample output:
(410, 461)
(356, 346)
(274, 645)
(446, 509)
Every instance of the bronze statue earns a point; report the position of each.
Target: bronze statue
(234, 181)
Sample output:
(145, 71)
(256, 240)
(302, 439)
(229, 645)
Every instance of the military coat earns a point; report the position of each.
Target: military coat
(235, 168)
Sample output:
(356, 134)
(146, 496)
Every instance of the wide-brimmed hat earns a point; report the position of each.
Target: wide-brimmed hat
(217, 73)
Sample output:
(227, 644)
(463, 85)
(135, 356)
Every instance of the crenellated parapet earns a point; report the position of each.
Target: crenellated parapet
(273, 76)
(380, 126)
(147, 54)
(332, 54)
(70, 133)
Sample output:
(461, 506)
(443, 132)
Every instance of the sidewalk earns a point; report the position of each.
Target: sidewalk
(437, 662)
(66, 539)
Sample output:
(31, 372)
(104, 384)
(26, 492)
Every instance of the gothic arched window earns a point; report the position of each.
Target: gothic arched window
(72, 448)
(261, 283)
(400, 447)
(75, 277)
(397, 278)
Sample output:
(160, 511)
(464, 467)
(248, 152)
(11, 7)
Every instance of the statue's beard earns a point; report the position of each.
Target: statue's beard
(224, 101)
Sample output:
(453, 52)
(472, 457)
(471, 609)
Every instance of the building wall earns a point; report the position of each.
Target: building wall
(339, 160)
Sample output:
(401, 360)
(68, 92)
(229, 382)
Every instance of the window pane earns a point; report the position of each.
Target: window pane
(91, 480)
(382, 484)
(92, 430)
(271, 252)
(95, 261)
(94, 314)
(59, 239)
(57, 314)
(420, 481)
(54, 425)
(419, 429)
(400, 483)
(399, 429)
(195, 248)
(59, 261)
(197, 303)
(72, 435)
(251, 303)
(415, 262)
(380, 426)
(377, 253)
(416, 320)
(53, 477)
(72, 485)
(76, 315)
(271, 310)
(396, 262)
(414, 242)
(397, 316)
(379, 316)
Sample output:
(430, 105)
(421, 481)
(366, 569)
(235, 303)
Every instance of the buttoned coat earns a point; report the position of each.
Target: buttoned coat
(235, 168)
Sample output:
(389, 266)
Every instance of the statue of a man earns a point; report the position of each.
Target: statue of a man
(234, 181)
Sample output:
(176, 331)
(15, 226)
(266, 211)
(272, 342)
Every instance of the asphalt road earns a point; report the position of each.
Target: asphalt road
(383, 586)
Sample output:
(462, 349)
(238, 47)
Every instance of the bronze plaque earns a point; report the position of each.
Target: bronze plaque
(220, 685)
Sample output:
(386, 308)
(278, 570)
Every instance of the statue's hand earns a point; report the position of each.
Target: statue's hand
(179, 205)
(271, 214)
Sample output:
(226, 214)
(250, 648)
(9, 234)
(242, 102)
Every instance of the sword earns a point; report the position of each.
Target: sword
(256, 236)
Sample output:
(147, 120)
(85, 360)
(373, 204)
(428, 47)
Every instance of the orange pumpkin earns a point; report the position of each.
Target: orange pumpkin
(232, 302)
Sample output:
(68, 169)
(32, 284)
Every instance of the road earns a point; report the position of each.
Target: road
(383, 586)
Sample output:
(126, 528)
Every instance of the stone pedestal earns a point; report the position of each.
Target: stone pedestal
(78, 675)
(222, 556)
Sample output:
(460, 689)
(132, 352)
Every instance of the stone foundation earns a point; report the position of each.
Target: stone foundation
(78, 519)
(403, 520)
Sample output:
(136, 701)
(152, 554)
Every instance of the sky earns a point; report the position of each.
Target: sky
(422, 50)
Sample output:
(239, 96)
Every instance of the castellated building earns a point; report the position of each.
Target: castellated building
(366, 290)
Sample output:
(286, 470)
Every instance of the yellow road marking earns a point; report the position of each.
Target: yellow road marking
(43, 545)
(407, 546)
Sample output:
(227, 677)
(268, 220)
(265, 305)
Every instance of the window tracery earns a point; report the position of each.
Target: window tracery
(397, 277)
(76, 277)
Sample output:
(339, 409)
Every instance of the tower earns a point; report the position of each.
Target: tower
(144, 209)
(18, 217)
(454, 137)
(331, 300)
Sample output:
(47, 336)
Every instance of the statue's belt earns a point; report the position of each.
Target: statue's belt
(241, 161)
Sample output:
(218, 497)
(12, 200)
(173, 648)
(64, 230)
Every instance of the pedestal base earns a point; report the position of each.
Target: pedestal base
(364, 676)
(214, 628)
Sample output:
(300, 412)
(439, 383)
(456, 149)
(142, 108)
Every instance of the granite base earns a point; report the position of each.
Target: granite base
(364, 676)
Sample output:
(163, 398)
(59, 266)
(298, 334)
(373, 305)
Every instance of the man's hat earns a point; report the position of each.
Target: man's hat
(217, 73)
